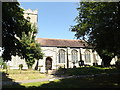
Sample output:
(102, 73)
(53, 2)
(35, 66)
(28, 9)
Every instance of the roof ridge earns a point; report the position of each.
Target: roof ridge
(60, 39)
(60, 42)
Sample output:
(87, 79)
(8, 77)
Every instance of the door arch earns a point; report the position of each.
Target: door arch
(48, 63)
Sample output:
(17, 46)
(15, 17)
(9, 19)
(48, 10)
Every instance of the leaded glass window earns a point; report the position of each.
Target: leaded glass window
(61, 56)
(74, 55)
(87, 56)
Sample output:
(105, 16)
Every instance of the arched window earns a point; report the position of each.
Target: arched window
(61, 56)
(74, 55)
(87, 56)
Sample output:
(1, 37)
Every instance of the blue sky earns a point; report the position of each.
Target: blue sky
(54, 18)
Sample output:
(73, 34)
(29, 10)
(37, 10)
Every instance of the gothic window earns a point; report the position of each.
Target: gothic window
(87, 56)
(61, 56)
(74, 55)
(97, 57)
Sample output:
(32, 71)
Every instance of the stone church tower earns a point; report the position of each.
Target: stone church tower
(31, 15)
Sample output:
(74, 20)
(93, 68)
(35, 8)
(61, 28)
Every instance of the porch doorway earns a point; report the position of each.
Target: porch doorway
(48, 63)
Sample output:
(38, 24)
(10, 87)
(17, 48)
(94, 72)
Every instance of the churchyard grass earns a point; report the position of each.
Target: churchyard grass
(105, 81)
(91, 70)
(19, 75)
(37, 84)
(107, 78)
(112, 81)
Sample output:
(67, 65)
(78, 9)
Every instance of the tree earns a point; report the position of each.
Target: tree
(1, 61)
(13, 24)
(18, 35)
(30, 47)
(98, 23)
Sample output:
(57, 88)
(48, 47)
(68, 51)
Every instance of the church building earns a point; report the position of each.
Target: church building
(58, 52)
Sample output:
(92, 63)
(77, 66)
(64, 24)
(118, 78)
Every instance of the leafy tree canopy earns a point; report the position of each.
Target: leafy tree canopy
(18, 34)
(98, 23)
(13, 24)
(31, 49)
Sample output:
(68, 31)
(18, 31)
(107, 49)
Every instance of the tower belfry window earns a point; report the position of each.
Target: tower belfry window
(28, 18)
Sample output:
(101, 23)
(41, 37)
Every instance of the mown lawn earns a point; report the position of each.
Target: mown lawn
(18, 75)
(86, 71)
(105, 81)
(112, 81)
(106, 78)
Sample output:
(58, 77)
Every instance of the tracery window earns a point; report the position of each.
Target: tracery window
(74, 55)
(61, 56)
(87, 56)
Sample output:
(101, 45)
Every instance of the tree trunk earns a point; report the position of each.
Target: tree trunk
(29, 66)
(36, 67)
(106, 61)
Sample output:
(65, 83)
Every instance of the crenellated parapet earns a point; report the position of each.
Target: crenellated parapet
(31, 15)
(29, 11)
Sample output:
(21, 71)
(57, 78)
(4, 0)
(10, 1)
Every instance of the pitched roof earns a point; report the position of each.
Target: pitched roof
(60, 42)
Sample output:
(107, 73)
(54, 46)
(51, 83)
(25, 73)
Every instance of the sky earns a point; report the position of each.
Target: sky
(54, 18)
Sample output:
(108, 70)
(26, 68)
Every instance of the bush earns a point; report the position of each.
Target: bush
(60, 68)
(118, 64)
(20, 66)
(1, 61)
(4, 65)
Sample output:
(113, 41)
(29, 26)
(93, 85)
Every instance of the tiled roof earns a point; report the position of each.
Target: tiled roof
(60, 42)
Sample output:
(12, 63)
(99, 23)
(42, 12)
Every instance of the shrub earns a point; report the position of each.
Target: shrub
(118, 64)
(60, 68)
(20, 66)
(4, 65)
(1, 61)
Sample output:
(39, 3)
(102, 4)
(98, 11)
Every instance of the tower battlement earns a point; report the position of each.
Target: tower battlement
(29, 11)
(31, 15)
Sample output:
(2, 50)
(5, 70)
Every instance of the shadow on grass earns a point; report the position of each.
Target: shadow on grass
(8, 82)
(96, 81)
(85, 71)
(104, 81)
